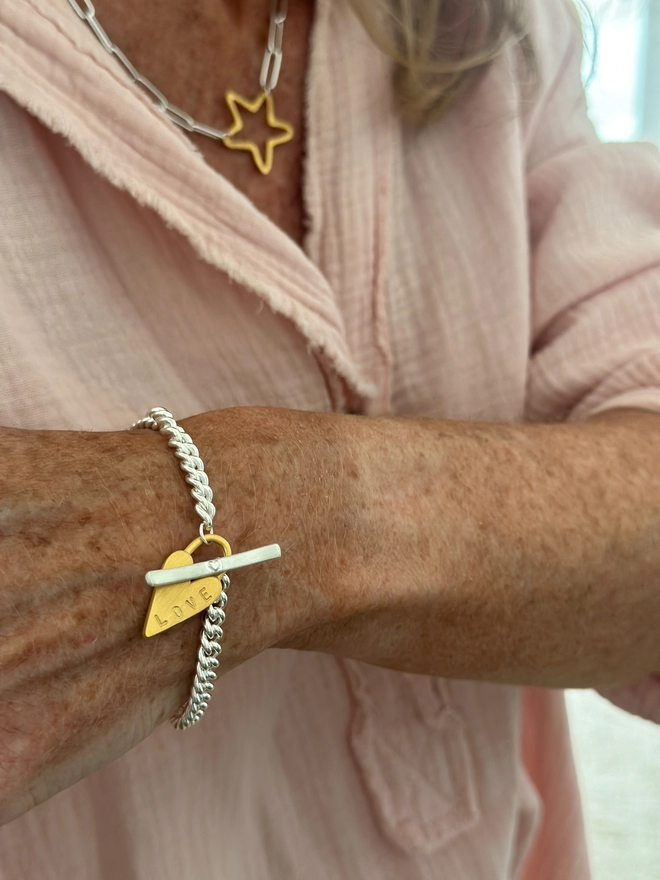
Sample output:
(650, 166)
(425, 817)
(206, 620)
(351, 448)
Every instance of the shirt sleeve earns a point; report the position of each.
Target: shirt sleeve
(594, 226)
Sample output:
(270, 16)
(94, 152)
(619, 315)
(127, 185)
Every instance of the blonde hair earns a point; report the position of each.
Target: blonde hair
(441, 47)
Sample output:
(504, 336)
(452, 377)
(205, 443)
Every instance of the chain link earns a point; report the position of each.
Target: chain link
(207, 662)
(190, 462)
(270, 67)
(187, 454)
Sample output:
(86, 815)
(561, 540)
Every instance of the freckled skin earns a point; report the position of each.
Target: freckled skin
(194, 52)
(84, 516)
(497, 552)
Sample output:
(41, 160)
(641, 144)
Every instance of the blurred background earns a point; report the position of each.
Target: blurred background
(622, 67)
(618, 755)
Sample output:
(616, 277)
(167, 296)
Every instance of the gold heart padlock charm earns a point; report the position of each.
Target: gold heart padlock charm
(175, 603)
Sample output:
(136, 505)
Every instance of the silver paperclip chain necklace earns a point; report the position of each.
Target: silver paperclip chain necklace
(270, 71)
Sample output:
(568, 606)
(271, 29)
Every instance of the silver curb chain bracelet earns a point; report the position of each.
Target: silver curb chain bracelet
(183, 588)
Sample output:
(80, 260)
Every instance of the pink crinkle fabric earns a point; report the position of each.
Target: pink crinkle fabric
(500, 264)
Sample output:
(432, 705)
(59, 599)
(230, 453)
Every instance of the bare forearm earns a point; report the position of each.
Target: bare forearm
(514, 553)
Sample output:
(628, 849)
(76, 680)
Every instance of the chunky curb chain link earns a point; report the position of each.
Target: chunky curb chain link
(207, 661)
(159, 419)
(190, 462)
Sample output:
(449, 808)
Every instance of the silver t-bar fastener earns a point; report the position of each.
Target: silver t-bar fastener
(163, 577)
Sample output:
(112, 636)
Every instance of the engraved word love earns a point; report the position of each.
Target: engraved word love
(177, 602)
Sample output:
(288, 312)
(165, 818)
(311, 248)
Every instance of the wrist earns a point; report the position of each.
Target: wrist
(152, 505)
(281, 476)
(392, 553)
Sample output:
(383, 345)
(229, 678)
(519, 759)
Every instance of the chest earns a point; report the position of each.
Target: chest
(166, 284)
(196, 54)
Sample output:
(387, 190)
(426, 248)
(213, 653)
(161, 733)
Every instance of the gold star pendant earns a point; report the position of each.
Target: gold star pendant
(234, 101)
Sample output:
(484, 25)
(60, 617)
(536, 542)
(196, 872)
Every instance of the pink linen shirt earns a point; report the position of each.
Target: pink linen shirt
(500, 265)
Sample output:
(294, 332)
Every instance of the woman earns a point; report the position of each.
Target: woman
(442, 248)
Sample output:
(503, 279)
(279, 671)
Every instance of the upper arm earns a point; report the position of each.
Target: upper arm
(594, 231)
